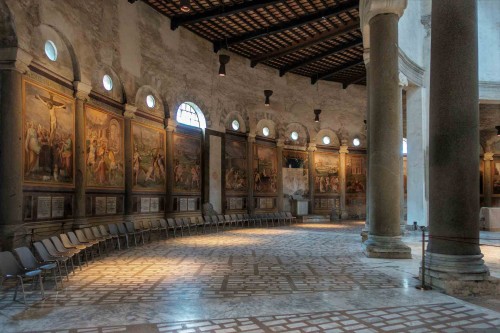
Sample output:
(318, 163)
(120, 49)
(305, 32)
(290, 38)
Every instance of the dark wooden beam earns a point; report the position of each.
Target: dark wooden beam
(329, 34)
(353, 81)
(301, 20)
(339, 69)
(327, 53)
(220, 11)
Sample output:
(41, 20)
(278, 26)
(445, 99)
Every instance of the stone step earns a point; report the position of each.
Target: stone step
(315, 218)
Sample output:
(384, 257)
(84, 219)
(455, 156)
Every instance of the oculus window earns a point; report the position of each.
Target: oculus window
(356, 142)
(190, 114)
(235, 125)
(150, 101)
(265, 131)
(326, 140)
(51, 50)
(107, 82)
(294, 135)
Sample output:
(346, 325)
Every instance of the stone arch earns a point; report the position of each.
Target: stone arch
(235, 115)
(334, 138)
(117, 93)
(160, 109)
(8, 35)
(66, 65)
(301, 131)
(200, 104)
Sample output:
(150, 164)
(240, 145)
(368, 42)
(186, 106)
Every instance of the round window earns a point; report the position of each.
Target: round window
(356, 142)
(326, 140)
(150, 101)
(235, 125)
(265, 131)
(107, 82)
(294, 135)
(51, 50)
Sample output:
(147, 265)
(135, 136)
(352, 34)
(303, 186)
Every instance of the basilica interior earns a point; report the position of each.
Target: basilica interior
(250, 166)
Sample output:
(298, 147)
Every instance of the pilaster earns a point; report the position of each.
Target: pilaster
(129, 115)
(311, 148)
(402, 83)
(171, 125)
(279, 150)
(487, 185)
(250, 198)
(342, 179)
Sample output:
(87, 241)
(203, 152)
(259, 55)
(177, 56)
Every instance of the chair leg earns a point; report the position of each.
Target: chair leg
(22, 289)
(42, 290)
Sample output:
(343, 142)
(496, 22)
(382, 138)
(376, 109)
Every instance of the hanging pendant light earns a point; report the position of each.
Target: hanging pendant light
(316, 115)
(185, 6)
(268, 94)
(223, 60)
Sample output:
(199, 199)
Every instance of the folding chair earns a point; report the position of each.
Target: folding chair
(29, 263)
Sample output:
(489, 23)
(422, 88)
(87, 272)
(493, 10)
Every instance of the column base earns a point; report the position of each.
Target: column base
(364, 235)
(462, 275)
(386, 247)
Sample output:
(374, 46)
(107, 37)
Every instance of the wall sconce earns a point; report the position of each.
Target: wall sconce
(268, 94)
(223, 60)
(185, 6)
(498, 130)
(316, 115)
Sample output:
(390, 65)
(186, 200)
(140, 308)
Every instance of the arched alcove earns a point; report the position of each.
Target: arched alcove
(231, 118)
(271, 131)
(332, 135)
(149, 100)
(116, 92)
(296, 134)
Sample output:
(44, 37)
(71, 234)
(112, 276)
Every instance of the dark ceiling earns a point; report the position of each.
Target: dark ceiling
(320, 39)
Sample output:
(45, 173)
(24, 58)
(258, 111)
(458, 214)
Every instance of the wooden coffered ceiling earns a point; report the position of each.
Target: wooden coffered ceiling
(320, 39)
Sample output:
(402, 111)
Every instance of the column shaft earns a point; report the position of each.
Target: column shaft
(342, 179)
(488, 157)
(129, 177)
(279, 175)
(311, 149)
(170, 167)
(250, 198)
(11, 152)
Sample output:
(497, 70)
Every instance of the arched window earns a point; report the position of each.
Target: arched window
(190, 114)
(405, 146)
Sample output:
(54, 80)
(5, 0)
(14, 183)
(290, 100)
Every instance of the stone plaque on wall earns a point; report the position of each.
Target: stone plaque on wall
(183, 204)
(43, 207)
(57, 207)
(155, 205)
(100, 205)
(145, 205)
(111, 205)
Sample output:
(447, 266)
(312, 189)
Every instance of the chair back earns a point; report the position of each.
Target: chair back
(42, 252)
(9, 264)
(163, 223)
(121, 228)
(58, 244)
(88, 234)
(81, 237)
(103, 230)
(113, 229)
(96, 232)
(171, 222)
(26, 257)
(66, 242)
(130, 227)
(138, 225)
(73, 238)
(50, 247)
(155, 224)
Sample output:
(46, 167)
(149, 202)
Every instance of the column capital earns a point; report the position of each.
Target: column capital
(130, 111)
(344, 149)
(371, 8)
(403, 80)
(311, 147)
(82, 90)
(14, 58)
(171, 125)
(251, 137)
(488, 156)
(280, 142)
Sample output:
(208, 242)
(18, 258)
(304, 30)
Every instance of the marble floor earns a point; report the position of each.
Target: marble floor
(300, 278)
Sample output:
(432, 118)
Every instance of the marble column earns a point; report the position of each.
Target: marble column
(171, 125)
(454, 256)
(366, 58)
(311, 148)
(82, 91)
(342, 179)
(279, 176)
(13, 63)
(129, 114)
(403, 82)
(487, 186)
(385, 135)
(250, 198)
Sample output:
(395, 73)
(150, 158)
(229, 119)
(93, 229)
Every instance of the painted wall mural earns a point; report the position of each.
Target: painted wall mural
(326, 173)
(187, 163)
(356, 174)
(496, 177)
(148, 161)
(236, 166)
(295, 173)
(265, 168)
(48, 138)
(104, 149)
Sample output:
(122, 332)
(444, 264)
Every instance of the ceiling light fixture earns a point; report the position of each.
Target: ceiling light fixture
(316, 115)
(223, 60)
(268, 94)
(185, 6)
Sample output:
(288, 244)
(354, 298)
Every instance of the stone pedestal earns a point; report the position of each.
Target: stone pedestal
(385, 133)
(453, 249)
